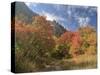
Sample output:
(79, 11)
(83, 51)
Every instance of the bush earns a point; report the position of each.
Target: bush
(61, 51)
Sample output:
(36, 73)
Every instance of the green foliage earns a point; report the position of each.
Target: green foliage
(22, 64)
(62, 51)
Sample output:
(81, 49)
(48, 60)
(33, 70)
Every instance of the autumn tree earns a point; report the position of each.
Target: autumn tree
(34, 42)
(42, 41)
(89, 41)
(71, 39)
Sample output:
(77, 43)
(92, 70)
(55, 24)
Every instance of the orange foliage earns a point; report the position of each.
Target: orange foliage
(40, 22)
(70, 37)
(20, 27)
(76, 39)
(64, 38)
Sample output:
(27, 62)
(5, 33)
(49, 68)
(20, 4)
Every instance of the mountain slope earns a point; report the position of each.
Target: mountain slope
(58, 29)
(23, 13)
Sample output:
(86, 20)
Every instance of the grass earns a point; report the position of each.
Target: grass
(80, 62)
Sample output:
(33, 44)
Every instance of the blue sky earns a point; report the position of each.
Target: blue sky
(69, 16)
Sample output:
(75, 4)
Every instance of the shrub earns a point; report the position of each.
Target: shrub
(61, 51)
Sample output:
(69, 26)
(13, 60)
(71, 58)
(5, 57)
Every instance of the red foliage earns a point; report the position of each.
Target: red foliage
(64, 38)
(70, 37)
(76, 39)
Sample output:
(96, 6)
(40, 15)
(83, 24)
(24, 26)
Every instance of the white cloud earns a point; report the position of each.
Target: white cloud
(28, 3)
(69, 10)
(83, 21)
(51, 17)
(48, 16)
(31, 4)
(92, 10)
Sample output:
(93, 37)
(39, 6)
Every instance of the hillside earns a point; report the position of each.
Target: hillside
(25, 15)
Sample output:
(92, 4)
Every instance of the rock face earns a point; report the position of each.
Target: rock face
(58, 29)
